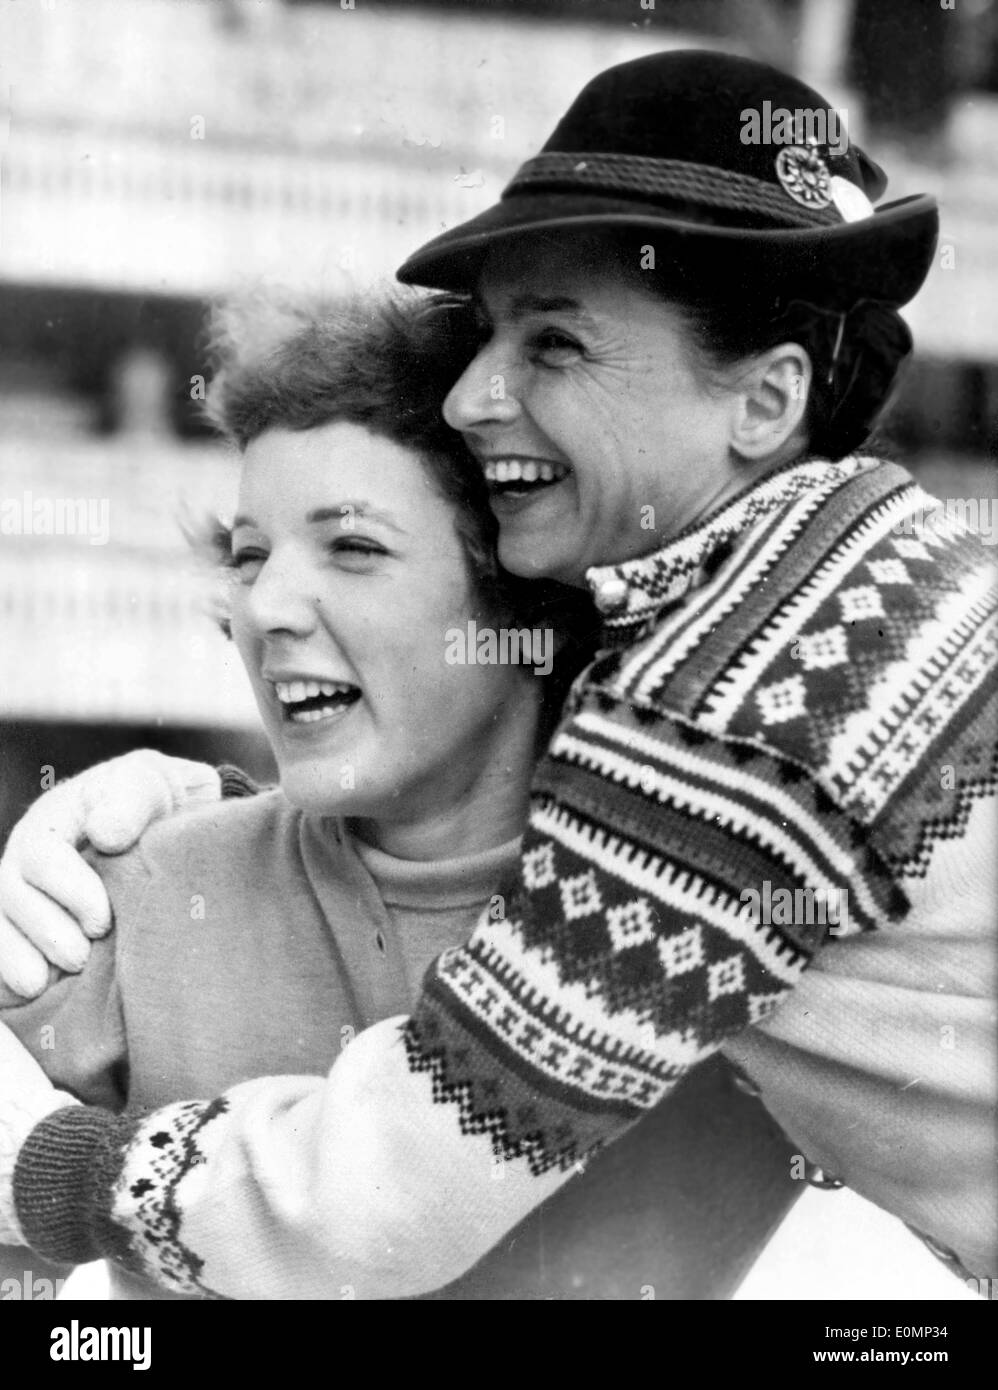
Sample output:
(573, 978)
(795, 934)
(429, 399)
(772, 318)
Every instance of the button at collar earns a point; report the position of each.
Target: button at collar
(611, 594)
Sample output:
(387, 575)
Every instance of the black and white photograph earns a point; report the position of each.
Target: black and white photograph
(498, 649)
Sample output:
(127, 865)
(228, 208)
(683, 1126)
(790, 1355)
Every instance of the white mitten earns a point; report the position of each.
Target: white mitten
(51, 901)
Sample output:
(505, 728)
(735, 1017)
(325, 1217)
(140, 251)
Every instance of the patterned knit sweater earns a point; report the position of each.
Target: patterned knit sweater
(788, 738)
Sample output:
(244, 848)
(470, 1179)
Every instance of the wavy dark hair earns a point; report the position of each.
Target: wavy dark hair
(857, 353)
(856, 357)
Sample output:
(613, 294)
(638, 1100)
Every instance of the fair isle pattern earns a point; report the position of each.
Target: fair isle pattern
(944, 803)
(704, 788)
(162, 1151)
(738, 602)
(771, 713)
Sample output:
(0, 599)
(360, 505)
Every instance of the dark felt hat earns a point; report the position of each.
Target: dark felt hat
(739, 173)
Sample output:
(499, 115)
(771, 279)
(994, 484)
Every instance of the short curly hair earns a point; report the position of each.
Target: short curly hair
(384, 361)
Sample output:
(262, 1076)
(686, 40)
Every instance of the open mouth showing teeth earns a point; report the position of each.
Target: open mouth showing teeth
(517, 477)
(308, 701)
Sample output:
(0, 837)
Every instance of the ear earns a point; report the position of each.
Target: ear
(771, 403)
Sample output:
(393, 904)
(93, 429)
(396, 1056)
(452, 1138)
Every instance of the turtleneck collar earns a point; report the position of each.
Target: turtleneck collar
(634, 592)
(443, 883)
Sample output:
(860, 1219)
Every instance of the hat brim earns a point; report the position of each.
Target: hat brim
(884, 257)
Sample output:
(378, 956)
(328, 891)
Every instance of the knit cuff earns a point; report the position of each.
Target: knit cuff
(64, 1182)
(235, 782)
(18, 1117)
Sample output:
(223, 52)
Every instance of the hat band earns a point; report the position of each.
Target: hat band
(668, 178)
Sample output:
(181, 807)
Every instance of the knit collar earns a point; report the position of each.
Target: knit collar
(633, 592)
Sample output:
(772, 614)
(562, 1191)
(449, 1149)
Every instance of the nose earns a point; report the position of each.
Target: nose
(280, 599)
(484, 393)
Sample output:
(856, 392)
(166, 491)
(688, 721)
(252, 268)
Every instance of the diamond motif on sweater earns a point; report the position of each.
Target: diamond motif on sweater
(631, 924)
(580, 897)
(682, 952)
(910, 549)
(538, 866)
(862, 602)
(725, 977)
(782, 701)
(820, 650)
(889, 571)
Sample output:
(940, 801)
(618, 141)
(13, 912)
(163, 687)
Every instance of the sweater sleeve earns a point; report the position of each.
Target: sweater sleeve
(75, 1030)
(673, 888)
(639, 934)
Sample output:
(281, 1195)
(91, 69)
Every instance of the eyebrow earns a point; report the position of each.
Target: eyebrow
(337, 512)
(524, 304)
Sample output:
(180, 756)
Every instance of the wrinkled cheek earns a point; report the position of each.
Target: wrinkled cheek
(603, 497)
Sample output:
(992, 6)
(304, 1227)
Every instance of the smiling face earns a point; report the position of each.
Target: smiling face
(588, 411)
(350, 572)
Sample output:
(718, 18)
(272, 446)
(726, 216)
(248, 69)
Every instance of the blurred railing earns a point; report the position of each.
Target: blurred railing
(134, 214)
(119, 637)
(179, 147)
(187, 147)
(306, 77)
(112, 624)
(953, 316)
(143, 216)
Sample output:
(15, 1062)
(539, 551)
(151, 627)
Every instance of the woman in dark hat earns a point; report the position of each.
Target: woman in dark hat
(687, 337)
(784, 755)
